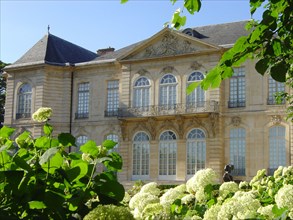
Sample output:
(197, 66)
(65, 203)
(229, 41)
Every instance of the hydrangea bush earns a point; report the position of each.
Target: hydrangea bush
(202, 197)
(39, 179)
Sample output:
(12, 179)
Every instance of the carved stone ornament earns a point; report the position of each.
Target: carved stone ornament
(142, 72)
(169, 45)
(235, 121)
(168, 69)
(195, 65)
(276, 119)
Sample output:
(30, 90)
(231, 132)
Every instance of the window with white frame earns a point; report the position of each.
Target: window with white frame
(24, 105)
(277, 148)
(237, 89)
(195, 151)
(83, 100)
(114, 138)
(167, 155)
(168, 91)
(197, 97)
(141, 93)
(140, 156)
(80, 140)
(112, 98)
(237, 150)
(274, 88)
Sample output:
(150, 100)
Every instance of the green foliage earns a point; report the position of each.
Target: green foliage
(109, 212)
(39, 178)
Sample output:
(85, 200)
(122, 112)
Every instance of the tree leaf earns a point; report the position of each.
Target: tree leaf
(66, 139)
(48, 155)
(255, 4)
(123, 1)
(91, 148)
(21, 163)
(192, 86)
(109, 144)
(77, 172)
(48, 129)
(114, 164)
(192, 5)
(262, 65)
(37, 205)
(6, 132)
(279, 71)
(113, 189)
(277, 46)
(54, 163)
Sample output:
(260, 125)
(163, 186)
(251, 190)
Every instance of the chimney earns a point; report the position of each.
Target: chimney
(104, 51)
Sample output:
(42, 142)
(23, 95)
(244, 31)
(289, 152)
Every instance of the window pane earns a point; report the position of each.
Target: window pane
(237, 88)
(277, 145)
(237, 150)
(113, 97)
(141, 92)
(167, 154)
(168, 91)
(140, 157)
(83, 100)
(24, 101)
(196, 151)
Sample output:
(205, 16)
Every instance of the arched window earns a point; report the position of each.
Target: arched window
(195, 151)
(24, 105)
(168, 92)
(140, 156)
(237, 150)
(141, 93)
(115, 138)
(80, 140)
(197, 97)
(277, 145)
(167, 155)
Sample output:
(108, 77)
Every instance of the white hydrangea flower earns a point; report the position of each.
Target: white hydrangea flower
(243, 205)
(278, 173)
(187, 199)
(212, 213)
(201, 179)
(243, 185)
(153, 211)
(267, 212)
(170, 196)
(226, 188)
(194, 217)
(141, 200)
(259, 176)
(42, 114)
(200, 195)
(284, 197)
(151, 188)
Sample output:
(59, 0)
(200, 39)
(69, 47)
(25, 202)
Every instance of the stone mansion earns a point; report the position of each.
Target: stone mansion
(137, 97)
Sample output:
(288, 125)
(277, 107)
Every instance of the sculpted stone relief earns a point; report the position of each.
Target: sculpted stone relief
(169, 45)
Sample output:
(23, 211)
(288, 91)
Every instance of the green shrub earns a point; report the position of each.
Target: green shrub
(39, 179)
(109, 212)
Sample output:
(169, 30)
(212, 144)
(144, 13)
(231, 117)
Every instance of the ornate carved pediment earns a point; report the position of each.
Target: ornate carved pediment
(168, 45)
(195, 65)
(142, 72)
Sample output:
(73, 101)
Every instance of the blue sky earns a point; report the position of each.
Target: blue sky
(100, 23)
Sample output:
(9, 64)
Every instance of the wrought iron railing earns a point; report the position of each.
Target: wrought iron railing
(174, 109)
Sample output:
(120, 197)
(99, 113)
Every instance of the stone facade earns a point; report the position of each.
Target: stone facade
(166, 53)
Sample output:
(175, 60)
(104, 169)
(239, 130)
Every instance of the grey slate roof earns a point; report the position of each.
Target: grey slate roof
(55, 51)
(218, 34)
